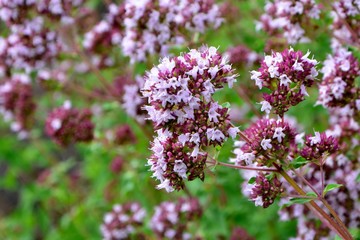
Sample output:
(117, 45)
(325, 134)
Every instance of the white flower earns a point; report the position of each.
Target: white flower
(266, 144)
(279, 134)
(183, 138)
(180, 168)
(212, 112)
(195, 138)
(265, 106)
(233, 132)
(284, 80)
(298, 66)
(255, 75)
(258, 201)
(316, 139)
(56, 124)
(165, 184)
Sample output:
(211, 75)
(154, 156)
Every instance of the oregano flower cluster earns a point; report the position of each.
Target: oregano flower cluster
(17, 104)
(66, 125)
(145, 27)
(270, 137)
(179, 92)
(122, 221)
(170, 219)
(288, 19)
(286, 74)
(338, 86)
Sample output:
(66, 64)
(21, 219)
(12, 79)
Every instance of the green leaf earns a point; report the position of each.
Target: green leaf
(300, 200)
(299, 162)
(311, 194)
(331, 187)
(252, 180)
(226, 105)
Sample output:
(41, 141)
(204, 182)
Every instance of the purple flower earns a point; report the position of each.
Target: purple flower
(265, 190)
(287, 75)
(318, 146)
(179, 92)
(170, 219)
(122, 221)
(288, 19)
(17, 104)
(270, 137)
(338, 86)
(67, 125)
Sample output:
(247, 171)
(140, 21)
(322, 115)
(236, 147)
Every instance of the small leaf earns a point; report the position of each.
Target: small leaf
(252, 180)
(300, 200)
(299, 162)
(358, 178)
(226, 105)
(331, 187)
(311, 194)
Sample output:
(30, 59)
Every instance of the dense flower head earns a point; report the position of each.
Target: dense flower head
(147, 27)
(66, 125)
(275, 138)
(345, 125)
(241, 56)
(15, 13)
(318, 146)
(124, 135)
(17, 104)
(286, 74)
(59, 9)
(32, 47)
(339, 73)
(107, 33)
(179, 92)
(12, 11)
(122, 221)
(265, 189)
(346, 23)
(132, 99)
(288, 19)
(117, 164)
(170, 219)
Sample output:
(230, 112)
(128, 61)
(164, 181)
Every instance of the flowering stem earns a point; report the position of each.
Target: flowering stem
(334, 225)
(322, 177)
(243, 167)
(320, 196)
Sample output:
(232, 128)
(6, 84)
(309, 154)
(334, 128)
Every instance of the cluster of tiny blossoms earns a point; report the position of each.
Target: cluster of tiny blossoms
(170, 219)
(122, 221)
(338, 86)
(147, 27)
(179, 92)
(264, 190)
(346, 23)
(286, 74)
(17, 104)
(66, 125)
(288, 19)
(241, 56)
(15, 12)
(29, 47)
(266, 141)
